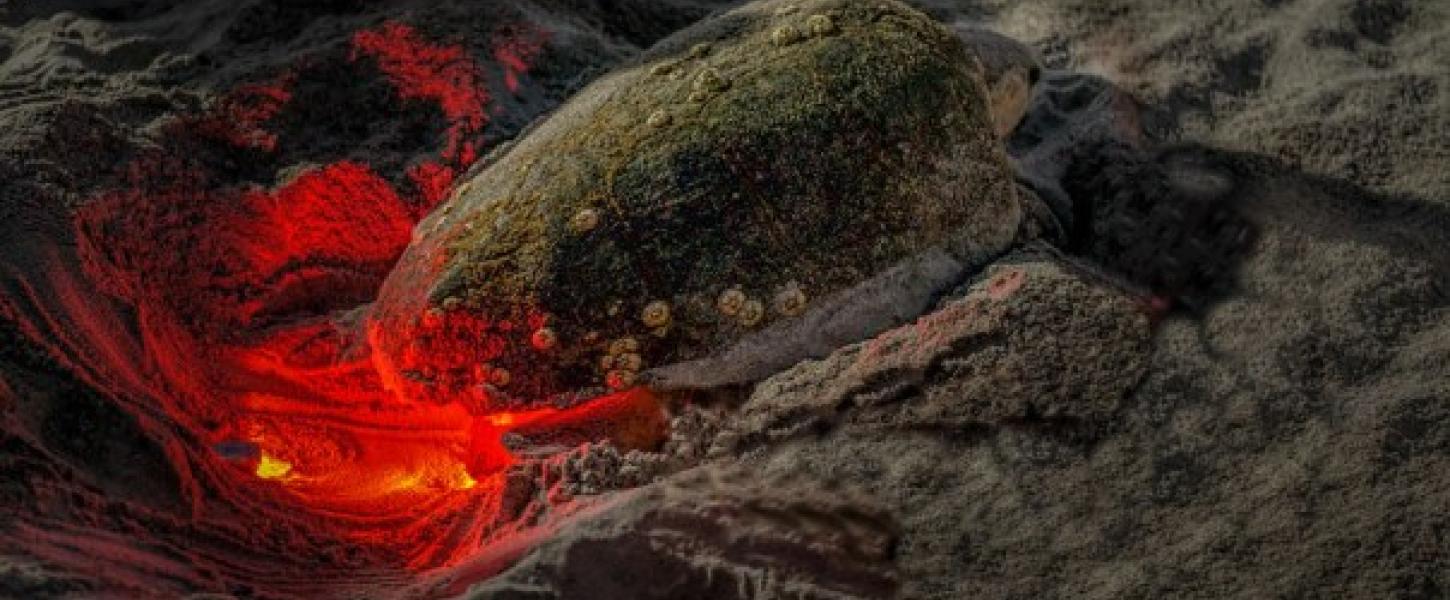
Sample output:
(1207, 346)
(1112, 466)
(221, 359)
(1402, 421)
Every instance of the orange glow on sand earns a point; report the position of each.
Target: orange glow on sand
(269, 467)
(361, 460)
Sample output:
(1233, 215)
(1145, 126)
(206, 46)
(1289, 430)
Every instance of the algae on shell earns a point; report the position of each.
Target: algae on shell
(808, 166)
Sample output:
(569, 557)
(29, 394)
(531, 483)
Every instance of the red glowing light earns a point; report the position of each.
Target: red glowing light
(432, 181)
(240, 118)
(424, 71)
(242, 321)
(516, 53)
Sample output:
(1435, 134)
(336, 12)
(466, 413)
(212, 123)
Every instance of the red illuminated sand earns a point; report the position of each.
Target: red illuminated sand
(248, 360)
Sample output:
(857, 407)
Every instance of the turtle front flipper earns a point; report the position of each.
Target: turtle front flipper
(1164, 219)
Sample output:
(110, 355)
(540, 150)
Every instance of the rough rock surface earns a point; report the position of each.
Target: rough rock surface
(714, 534)
(781, 151)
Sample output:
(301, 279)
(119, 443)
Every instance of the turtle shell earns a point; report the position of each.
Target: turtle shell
(725, 182)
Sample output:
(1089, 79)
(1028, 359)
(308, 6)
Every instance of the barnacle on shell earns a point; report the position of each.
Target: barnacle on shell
(500, 377)
(624, 345)
(619, 380)
(544, 338)
(629, 362)
(751, 313)
(584, 220)
(655, 314)
(821, 25)
(730, 302)
(791, 301)
(710, 81)
(785, 35)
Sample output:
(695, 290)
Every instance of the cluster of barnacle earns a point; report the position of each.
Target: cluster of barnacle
(749, 312)
(447, 345)
(490, 380)
(622, 359)
(621, 363)
(707, 83)
(819, 25)
(450, 340)
(458, 353)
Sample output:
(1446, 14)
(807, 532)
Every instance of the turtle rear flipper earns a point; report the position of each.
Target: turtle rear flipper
(1163, 219)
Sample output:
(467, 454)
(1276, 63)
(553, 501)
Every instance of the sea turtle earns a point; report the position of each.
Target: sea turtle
(691, 216)
(768, 185)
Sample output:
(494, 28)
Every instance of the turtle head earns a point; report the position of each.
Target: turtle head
(1009, 68)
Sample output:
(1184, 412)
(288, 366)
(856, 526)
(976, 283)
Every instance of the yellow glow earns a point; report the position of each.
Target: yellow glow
(404, 482)
(270, 467)
(462, 480)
